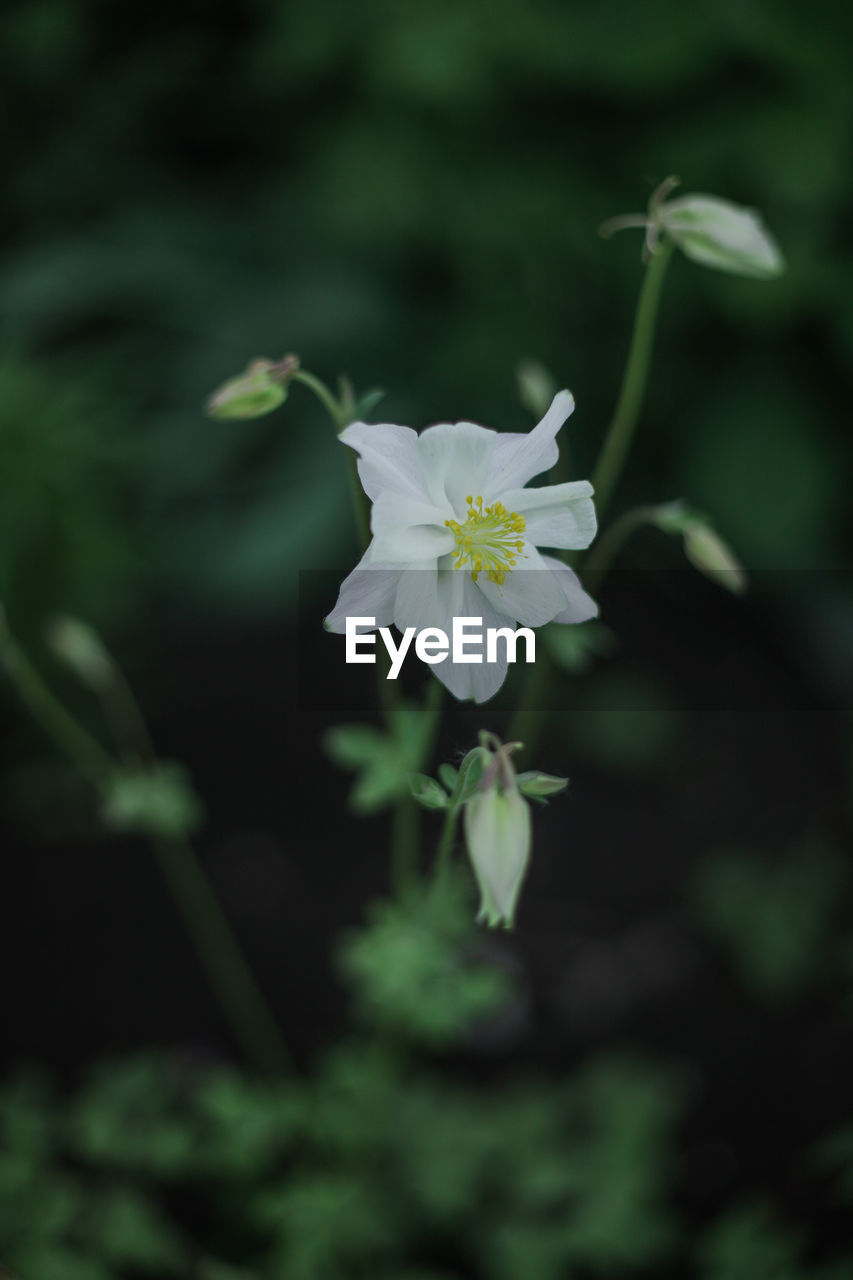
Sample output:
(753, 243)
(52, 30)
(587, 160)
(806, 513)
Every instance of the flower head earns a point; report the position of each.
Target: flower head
(711, 231)
(456, 533)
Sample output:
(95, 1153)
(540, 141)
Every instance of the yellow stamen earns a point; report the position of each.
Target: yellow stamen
(488, 541)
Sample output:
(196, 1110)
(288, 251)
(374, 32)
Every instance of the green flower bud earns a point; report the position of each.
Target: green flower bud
(536, 387)
(708, 553)
(722, 235)
(80, 648)
(262, 388)
(540, 785)
(709, 230)
(703, 546)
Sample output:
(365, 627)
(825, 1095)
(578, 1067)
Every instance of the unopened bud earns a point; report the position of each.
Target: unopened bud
(719, 234)
(80, 648)
(536, 387)
(262, 388)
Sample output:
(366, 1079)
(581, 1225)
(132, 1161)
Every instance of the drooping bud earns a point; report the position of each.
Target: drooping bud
(720, 234)
(262, 388)
(708, 553)
(711, 231)
(498, 836)
(536, 386)
(703, 546)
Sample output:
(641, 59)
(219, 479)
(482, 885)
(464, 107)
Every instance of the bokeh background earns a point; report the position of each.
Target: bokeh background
(409, 194)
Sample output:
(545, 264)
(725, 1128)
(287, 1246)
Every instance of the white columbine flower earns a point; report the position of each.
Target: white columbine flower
(456, 534)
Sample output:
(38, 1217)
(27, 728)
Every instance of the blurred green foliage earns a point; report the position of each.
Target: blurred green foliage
(409, 194)
(777, 921)
(414, 968)
(372, 1164)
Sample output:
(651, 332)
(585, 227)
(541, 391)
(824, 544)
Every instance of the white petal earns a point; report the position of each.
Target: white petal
(581, 607)
(517, 458)
(388, 458)
(532, 595)
(455, 460)
(419, 543)
(368, 592)
(398, 511)
(433, 598)
(557, 515)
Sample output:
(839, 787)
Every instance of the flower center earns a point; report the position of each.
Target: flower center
(488, 540)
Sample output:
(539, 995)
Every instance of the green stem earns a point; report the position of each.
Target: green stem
(222, 957)
(406, 826)
(324, 395)
(604, 551)
(93, 760)
(526, 724)
(608, 469)
(445, 843)
(217, 946)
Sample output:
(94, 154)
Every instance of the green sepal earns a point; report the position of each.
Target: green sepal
(427, 791)
(448, 776)
(540, 786)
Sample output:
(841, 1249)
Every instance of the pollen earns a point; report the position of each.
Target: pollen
(487, 542)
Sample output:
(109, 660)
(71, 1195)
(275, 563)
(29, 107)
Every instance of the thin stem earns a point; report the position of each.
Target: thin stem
(445, 843)
(217, 946)
(93, 760)
(221, 955)
(604, 551)
(406, 826)
(323, 394)
(608, 469)
(526, 724)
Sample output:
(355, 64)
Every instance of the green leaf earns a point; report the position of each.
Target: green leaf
(540, 785)
(470, 773)
(774, 919)
(382, 761)
(158, 800)
(366, 403)
(448, 776)
(427, 791)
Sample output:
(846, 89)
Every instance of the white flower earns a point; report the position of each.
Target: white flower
(456, 534)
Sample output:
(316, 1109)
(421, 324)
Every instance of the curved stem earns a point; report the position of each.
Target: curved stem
(217, 946)
(531, 712)
(323, 394)
(620, 433)
(221, 956)
(406, 827)
(92, 759)
(604, 551)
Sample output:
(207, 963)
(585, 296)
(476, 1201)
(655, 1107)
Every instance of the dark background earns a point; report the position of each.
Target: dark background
(409, 194)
